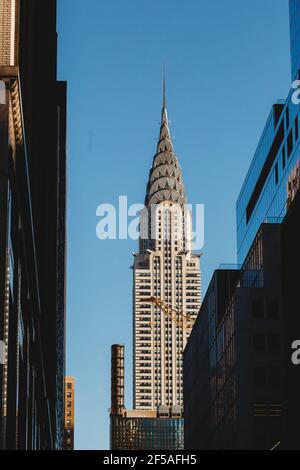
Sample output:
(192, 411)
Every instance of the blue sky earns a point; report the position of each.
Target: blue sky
(226, 63)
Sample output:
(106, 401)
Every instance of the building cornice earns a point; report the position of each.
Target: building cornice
(10, 75)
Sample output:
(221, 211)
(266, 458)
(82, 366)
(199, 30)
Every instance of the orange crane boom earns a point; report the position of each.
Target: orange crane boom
(182, 320)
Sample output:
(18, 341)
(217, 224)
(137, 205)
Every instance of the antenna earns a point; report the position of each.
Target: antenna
(164, 89)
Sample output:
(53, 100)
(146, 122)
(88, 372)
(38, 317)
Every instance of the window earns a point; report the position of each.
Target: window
(274, 376)
(259, 343)
(265, 171)
(274, 343)
(2, 93)
(283, 157)
(276, 174)
(257, 308)
(290, 142)
(272, 309)
(260, 441)
(260, 376)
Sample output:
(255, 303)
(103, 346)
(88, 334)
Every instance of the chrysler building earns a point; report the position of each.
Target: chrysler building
(165, 268)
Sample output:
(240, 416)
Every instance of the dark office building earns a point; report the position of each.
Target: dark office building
(200, 361)
(233, 364)
(238, 372)
(290, 287)
(32, 230)
(295, 37)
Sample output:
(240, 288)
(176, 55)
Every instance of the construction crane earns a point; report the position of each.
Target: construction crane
(184, 321)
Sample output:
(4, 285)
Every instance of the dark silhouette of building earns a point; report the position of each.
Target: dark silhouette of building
(201, 363)
(234, 363)
(32, 230)
(291, 308)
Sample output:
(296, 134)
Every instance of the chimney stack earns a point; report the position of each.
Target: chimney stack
(117, 380)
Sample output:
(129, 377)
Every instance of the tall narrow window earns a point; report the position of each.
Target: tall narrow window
(296, 129)
(276, 173)
(283, 157)
(2, 93)
(287, 118)
(290, 142)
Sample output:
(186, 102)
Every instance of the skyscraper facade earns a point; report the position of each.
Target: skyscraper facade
(32, 229)
(8, 32)
(165, 268)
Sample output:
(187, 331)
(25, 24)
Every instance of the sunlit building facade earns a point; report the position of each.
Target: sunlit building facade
(8, 32)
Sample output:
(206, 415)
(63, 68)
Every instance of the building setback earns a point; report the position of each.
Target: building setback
(32, 231)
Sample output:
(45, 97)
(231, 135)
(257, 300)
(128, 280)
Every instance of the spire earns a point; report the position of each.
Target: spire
(165, 180)
(164, 119)
(165, 141)
(164, 90)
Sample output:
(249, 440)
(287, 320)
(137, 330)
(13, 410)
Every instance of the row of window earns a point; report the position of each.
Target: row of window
(267, 376)
(266, 343)
(286, 152)
(265, 308)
